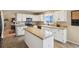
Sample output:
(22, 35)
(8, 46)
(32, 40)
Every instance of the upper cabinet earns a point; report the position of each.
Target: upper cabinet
(18, 17)
(36, 17)
(42, 17)
(60, 15)
(23, 17)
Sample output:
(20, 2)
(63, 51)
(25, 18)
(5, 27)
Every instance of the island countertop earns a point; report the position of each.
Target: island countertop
(37, 32)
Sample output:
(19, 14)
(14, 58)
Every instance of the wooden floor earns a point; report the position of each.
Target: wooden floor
(17, 42)
(13, 42)
(66, 45)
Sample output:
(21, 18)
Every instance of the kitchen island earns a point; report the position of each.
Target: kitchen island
(38, 38)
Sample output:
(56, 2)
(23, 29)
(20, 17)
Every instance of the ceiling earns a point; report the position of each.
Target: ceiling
(25, 11)
(36, 12)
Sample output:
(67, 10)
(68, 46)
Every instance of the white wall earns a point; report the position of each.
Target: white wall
(73, 31)
(73, 34)
(9, 15)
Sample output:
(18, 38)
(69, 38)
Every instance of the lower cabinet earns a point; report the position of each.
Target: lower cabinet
(33, 41)
(20, 31)
(48, 42)
(61, 35)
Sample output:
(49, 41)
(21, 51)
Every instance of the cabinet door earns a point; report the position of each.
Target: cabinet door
(36, 18)
(60, 36)
(42, 17)
(48, 42)
(24, 17)
(20, 31)
(54, 31)
(19, 17)
(56, 15)
(62, 16)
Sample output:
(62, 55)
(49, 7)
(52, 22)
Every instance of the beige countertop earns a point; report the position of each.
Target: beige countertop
(35, 31)
(54, 27)
(38, 32)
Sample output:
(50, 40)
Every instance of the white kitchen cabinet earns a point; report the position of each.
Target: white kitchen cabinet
(36, 17)
(21, 17)
(20, 31)
(56, 15)
(61, 35)
(63, 16)
(60, 15)
(54, 31)
(29, 16)
(18, 17)
(34, 41)
(24, 17)
(42, 17)
(48, 42)
(58, 34)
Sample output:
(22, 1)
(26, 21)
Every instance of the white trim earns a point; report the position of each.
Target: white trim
(73, 42)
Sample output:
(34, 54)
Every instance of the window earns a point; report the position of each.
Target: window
(48, 19)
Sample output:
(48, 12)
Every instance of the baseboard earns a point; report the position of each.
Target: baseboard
(72, 42)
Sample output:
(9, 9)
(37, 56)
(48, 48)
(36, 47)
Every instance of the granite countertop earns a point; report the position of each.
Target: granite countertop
(40, 33)
(54, 27)
(35, 31)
